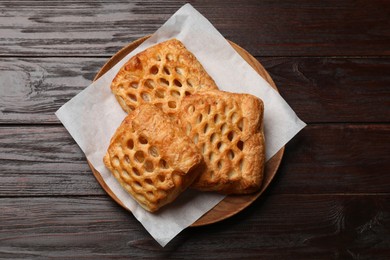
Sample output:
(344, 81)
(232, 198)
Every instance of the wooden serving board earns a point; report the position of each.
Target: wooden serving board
(232, 204)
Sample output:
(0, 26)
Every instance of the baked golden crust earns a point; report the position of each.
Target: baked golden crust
(162, 75)
(151, 157)
(227, 129)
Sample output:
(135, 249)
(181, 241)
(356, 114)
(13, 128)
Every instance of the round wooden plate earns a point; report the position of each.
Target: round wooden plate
(232, 204)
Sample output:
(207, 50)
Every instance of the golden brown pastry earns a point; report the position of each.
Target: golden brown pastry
(152, 157)
(227, 129)
(162, 75)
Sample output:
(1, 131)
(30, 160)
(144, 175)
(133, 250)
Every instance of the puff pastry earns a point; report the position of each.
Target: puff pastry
(227, 129)
(162, 75)
(151, 157)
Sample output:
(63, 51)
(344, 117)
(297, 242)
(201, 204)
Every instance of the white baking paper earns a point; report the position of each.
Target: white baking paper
(93, 115)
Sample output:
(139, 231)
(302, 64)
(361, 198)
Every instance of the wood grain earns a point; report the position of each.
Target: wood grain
(41, 161)
(337, 158)
(337, 89)
(264, 28)
(33, 89)
(323, 158)
(334, 89)
(282, 226)
(330, 198)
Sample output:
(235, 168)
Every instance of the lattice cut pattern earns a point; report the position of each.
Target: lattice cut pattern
(227, 129)
(162, 75)
(152, 157)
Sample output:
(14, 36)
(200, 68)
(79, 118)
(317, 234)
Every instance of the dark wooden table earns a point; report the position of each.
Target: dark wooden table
(331, 196)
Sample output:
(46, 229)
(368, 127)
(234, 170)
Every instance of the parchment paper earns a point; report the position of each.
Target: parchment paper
(93, 115)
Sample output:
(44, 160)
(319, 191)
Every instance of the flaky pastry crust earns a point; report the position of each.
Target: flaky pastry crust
(151, 157)
(162, 75)
(227, 129)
